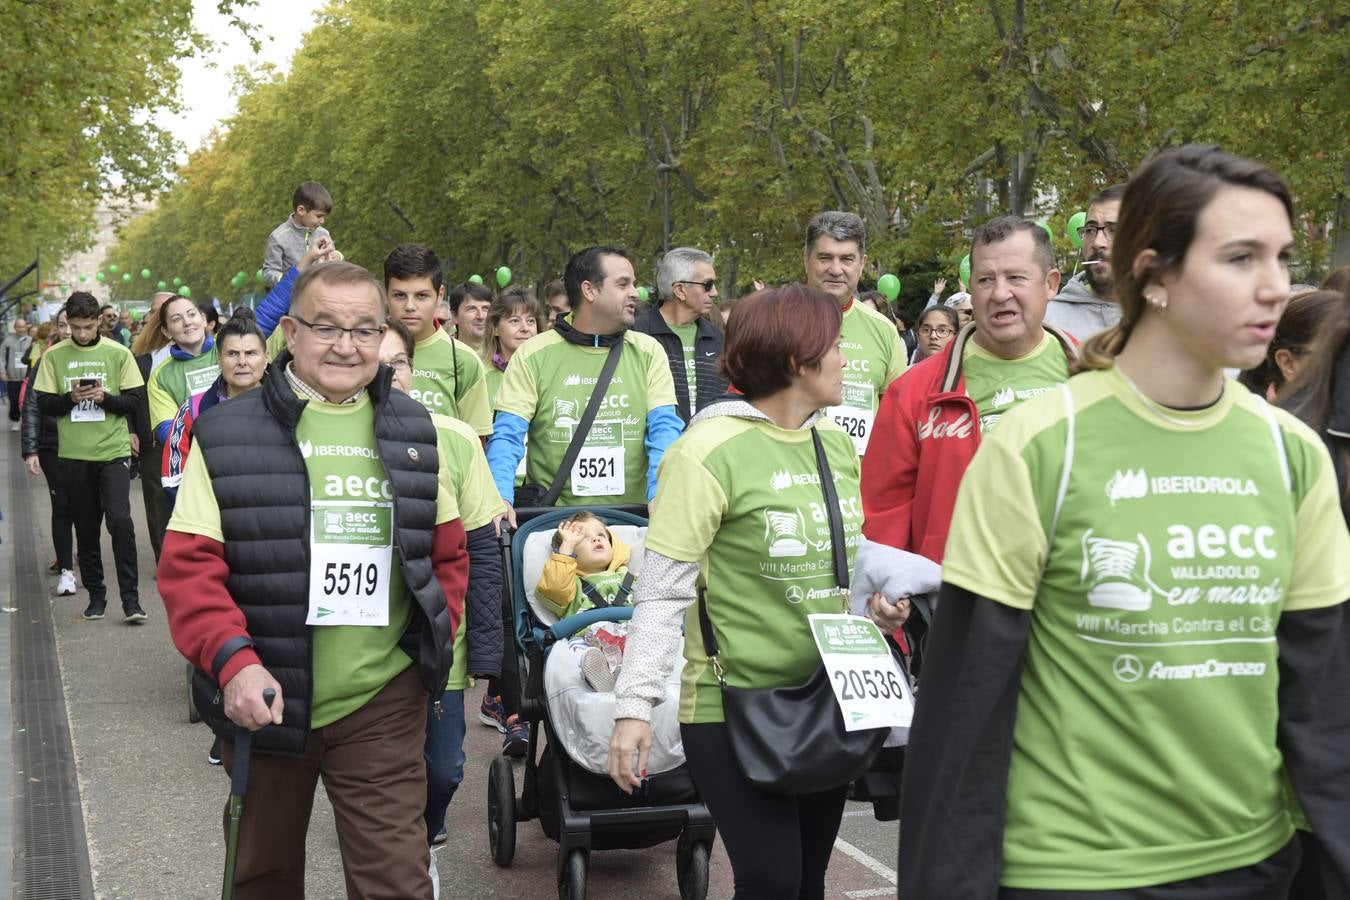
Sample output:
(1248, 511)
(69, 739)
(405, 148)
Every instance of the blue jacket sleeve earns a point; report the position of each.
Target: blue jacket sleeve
(663, 427)
(505, 450)
(277, 303)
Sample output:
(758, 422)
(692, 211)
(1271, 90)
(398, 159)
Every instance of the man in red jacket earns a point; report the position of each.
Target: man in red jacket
(315, 550)
(931, 419)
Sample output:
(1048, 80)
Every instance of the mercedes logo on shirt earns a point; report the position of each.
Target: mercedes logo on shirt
(1128, 668)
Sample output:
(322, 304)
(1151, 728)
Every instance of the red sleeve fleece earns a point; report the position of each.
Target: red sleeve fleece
(202, 614)
(450, 562)
(889, 478)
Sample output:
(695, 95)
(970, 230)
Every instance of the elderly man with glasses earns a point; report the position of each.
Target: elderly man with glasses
(681, 321)
(1087, 302)
(315, 551)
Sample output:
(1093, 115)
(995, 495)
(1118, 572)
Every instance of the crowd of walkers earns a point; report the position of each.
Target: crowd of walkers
(1127, 677)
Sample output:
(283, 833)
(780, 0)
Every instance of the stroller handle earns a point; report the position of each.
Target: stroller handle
(588, 617)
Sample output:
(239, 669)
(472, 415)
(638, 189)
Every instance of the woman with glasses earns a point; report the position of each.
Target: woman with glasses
(1300, 325)
(513, 318)
(937, 326)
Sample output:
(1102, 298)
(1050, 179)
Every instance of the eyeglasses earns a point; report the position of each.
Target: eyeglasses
(399, 364)
(331, 334)
(706, 285)
(940, 330)
(1089, 232)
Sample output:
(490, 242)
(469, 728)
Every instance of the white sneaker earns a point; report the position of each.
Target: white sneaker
(13, 426)
(435, 878)
(65, 585)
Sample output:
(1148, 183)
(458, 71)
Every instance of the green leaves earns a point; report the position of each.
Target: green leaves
(512, 132)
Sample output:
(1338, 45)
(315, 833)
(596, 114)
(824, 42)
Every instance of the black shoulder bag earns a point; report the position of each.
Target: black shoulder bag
(535, 494)
(791, 740)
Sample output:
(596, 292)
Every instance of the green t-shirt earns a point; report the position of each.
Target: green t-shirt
(1145, 749)
(89, 432)
(276, 342)
(447, 378)
(548, 384)
(996, 385)
(492, 376)
(873, 358)
(688, 334)
(468, 479)
(175, 380)
(742, 498)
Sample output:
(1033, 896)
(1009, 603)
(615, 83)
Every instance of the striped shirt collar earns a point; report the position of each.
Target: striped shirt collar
(305, 390)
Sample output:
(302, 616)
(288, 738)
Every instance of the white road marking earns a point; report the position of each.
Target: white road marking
(867, 861)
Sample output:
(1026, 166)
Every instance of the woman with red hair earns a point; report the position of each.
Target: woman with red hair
(740, 516)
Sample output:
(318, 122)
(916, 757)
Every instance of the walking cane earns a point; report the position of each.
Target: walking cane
(243, 746)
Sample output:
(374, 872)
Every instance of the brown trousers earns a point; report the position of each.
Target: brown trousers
(372, 767)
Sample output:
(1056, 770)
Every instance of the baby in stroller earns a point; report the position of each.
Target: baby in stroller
(587, 569)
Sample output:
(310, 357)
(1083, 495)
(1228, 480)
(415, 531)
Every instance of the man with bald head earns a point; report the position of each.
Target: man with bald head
(314, 551)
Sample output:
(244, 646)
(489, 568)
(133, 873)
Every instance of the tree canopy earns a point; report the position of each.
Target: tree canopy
(79, 80)
(511, 132)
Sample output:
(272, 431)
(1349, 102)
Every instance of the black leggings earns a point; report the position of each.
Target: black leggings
(779, 846)
(63, 516)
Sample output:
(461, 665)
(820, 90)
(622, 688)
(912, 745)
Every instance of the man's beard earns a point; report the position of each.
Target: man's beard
(1099, 277)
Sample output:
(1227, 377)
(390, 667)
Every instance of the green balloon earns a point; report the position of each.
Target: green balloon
(161, 285)
(177, 282)
(260, 275)
(145, 273)
(126, 277)
(889, 285)
(113, 269)
(84, 278)
(100, 276)
(185, 291)
(503, 276)
(965, 270)
(1048, 233)
(476, 279)
(1076, 221)
(643, 294)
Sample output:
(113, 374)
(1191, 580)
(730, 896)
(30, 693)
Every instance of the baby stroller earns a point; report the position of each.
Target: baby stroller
(567, 786)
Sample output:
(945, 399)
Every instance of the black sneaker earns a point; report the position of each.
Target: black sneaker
(135, 615)
(95, 609)
(213, 755)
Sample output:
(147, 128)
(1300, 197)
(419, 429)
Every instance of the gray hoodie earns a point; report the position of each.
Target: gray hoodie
(1078, 310)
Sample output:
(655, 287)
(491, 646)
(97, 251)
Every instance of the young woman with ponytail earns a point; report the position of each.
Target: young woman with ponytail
(1127, 692)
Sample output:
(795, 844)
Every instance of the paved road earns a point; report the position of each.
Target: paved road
(151, 804)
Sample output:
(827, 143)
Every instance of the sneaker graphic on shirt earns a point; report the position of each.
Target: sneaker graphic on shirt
(785, 533)
(1114, 568)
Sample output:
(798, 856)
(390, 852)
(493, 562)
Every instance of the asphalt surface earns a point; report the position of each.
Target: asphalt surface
(152, 804)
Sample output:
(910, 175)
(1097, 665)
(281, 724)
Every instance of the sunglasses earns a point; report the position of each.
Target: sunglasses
(706, 285)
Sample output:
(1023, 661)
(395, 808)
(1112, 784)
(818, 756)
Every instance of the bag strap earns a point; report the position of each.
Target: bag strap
(837, 547)
(584, 426)
(838, 550)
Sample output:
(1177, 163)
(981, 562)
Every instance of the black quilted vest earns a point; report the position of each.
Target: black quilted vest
(263, 492)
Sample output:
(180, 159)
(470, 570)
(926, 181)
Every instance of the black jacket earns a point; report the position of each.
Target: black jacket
(263, 492)
(707, 351)
(954, 795)
(39, 431)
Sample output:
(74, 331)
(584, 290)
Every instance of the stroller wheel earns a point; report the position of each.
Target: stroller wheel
(193, 717)
(572, 879)
(502, 811)
(691, 870)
